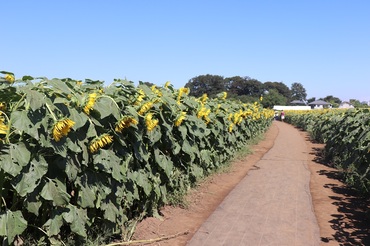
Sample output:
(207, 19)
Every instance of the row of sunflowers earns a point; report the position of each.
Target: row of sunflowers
(346, 134)
(76, 156)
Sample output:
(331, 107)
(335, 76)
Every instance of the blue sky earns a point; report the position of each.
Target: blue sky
(322, 44)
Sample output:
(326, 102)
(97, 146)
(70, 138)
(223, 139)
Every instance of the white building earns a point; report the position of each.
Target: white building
(345, 105)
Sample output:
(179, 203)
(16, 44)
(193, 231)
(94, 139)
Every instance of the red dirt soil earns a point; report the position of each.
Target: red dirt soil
(341, 214)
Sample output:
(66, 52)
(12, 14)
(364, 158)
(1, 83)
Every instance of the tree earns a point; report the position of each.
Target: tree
(273, 97)
(149, 84)
(206, 84)
(357, 104)
(245, 86)
(309, 100)
(334, 101)
(298, 92)
(279, 86)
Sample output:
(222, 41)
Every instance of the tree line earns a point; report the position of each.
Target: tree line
(249, 90)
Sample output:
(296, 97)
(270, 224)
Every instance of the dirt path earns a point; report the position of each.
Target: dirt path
(281, 205)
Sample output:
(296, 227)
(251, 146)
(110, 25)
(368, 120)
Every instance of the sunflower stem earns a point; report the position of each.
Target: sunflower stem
(51, 112)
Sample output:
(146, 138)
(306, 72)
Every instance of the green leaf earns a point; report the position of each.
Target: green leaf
(55, 191)
(205, 154)
(6, 72)
(140, 151)
(12, 224)
(53, 225)
(33, 205)
(164, 162)
(78, 117)
(14, 158)
(59, 86)
(21, 122)
(106, 106)
(155, 135)
(91, 132)
(27, 77)
(188, 149)
(184, 131)
(77, 218)
(86, 195)
(109, 162)
(93, 187)
(141, 179)
(27, 182)
(111, 212)
(196, 171)
(35, 99)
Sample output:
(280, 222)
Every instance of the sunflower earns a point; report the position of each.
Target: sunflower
(9, 78)
(3, 127)
(182, 91)
(203, 112)
(100, 142)
(180, 118)
(141, 97)
(90, 103)
(125, 122)
(150, 123)
(168, 83)
(145, 108)
(231, 127)
(204, 98)
(156, 91)
(62, 128)
(2, 106)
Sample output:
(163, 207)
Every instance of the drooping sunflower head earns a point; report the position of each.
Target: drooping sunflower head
(167, 84)
(2, 106)
(140, 97)
(150, 122)
(145, 108)
(203, 112)
(180, 119)
(61, 128)
(222, 95)
(204, 98)
(3, 126)
(90, 103)
(10, 78)
(125, 122)
(100, 142)
(182, 91)
(231, 127)
(156, 90)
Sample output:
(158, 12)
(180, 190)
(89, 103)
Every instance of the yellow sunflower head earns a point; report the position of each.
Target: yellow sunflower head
(10, 78)
(125, 122)
(150, 122)
(180, 119)
(90, 103)
(145, 108)
(61, 128)
(100, 142)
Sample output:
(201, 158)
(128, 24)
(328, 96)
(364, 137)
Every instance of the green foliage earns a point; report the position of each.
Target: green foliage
(77, 156)
(298, 92)
(273, 98)
(245, 89)
(346, 134)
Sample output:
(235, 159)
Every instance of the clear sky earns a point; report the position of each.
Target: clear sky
(322, 44)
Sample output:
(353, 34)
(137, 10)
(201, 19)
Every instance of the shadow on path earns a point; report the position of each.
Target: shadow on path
(352, 223)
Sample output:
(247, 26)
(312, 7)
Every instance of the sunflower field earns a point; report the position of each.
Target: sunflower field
(346, 134)
(76, 155)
